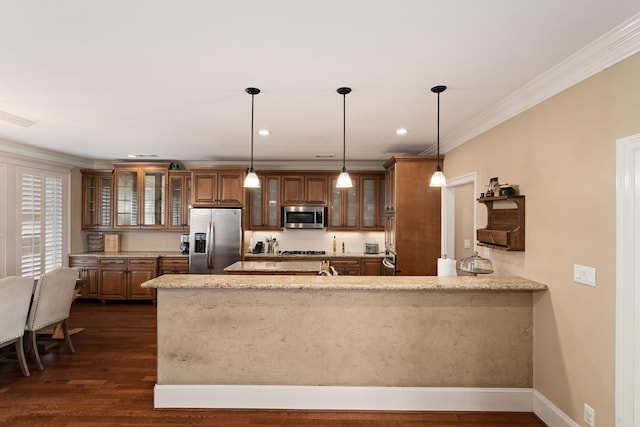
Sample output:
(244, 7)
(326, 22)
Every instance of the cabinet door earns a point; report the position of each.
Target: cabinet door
(343, 209)
(315, 190)
(139, 270)
(112, 284)
(153, 205)
(372, 267)
(96, 200)
(137, 276)
(126, 192)
(230, 189)
(347, 267)
(372, 203)
(205, 188)
(390, 193)
(264, 205)
(88, 271)
(178, 199)
(292, 190)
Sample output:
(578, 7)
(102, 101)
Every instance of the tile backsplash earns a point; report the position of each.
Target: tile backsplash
(317, 240)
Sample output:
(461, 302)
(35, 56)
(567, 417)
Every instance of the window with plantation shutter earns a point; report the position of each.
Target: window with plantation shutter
(41, 222)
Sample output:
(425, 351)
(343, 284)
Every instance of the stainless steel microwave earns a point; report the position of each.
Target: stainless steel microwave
(301, 217)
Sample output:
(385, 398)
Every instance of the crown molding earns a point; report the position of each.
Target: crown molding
(613, 47)
(34, 153)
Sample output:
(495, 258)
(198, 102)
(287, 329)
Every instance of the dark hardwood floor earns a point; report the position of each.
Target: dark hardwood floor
(110, 379)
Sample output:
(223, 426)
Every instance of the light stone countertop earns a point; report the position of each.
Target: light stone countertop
(274, 267)
(328, 255)
(136, 254)
(456, 283)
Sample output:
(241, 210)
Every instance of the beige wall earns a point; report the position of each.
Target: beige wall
(562, 154)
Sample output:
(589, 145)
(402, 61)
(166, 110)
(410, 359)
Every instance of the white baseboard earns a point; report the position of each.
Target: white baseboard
(549, 413)
(344, 398)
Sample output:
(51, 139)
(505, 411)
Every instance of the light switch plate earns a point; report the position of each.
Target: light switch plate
(585, 275)
(467, 244)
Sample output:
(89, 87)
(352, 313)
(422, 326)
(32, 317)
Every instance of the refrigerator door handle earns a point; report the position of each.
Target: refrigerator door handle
(210, 245)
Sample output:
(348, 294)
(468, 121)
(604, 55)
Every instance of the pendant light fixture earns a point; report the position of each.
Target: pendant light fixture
(344, 180)
(252, 180)
(438, 179)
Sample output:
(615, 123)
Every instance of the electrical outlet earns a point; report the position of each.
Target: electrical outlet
(589, 415)
(467, 244)
(585, 275)
(486, 253)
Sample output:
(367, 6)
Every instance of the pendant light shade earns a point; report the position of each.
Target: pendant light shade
(438, 179)
(344, 180)
(252, 180)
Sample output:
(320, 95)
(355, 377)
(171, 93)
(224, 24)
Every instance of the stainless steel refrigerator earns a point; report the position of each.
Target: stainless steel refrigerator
(215, 238)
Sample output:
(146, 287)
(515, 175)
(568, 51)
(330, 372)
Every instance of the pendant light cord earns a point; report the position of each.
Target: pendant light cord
(252, 97)
(438, 132)
(344, 131)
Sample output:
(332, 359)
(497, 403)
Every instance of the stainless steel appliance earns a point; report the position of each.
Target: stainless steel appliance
(390, 263)
(304, 217)
(184, 244)
(311, 253)
(215, 239)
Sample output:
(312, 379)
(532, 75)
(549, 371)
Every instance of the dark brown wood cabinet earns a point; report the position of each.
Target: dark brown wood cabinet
(140, 195)
(412, 226)
(97, 199)
(344, 207)
(505, 223)
(346, 267)
(217, 187)
(120, 278)
(173, 265)
(87, 267)
(371, 266)
(307, 189)
(178, 200)
(372, 198)
(264, 204)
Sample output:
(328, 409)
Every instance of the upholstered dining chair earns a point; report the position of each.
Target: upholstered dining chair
(15, 295)
(51, 306)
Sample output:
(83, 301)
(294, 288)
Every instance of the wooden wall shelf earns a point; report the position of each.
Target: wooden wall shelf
(505, 223)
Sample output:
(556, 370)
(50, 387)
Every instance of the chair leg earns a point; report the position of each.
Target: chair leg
(34, 350)
(67, 337)
(21, 359)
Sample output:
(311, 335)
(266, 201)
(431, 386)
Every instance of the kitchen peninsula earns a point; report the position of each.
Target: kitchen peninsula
(301, 342)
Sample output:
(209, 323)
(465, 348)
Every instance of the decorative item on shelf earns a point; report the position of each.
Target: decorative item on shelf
(174, 166)
(344, 180)
(476, 264)
(492, 187)
(252, 180)
(508, 190)
(438, 179)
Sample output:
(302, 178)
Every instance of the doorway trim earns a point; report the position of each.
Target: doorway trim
(448, 212)
(627, 371)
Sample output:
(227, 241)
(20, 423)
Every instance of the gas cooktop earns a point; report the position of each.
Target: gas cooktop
(303, 253)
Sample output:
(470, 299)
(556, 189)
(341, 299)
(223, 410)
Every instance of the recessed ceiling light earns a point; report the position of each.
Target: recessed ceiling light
(263, 132)
(402, 131)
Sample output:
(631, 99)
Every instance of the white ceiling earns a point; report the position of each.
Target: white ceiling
(104, 79)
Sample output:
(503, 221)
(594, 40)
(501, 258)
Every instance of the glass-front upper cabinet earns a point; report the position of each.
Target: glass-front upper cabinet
(373, 202)
(179, 199)
(140, 191)
(96, 199)
(343, 206)
(265, 204)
